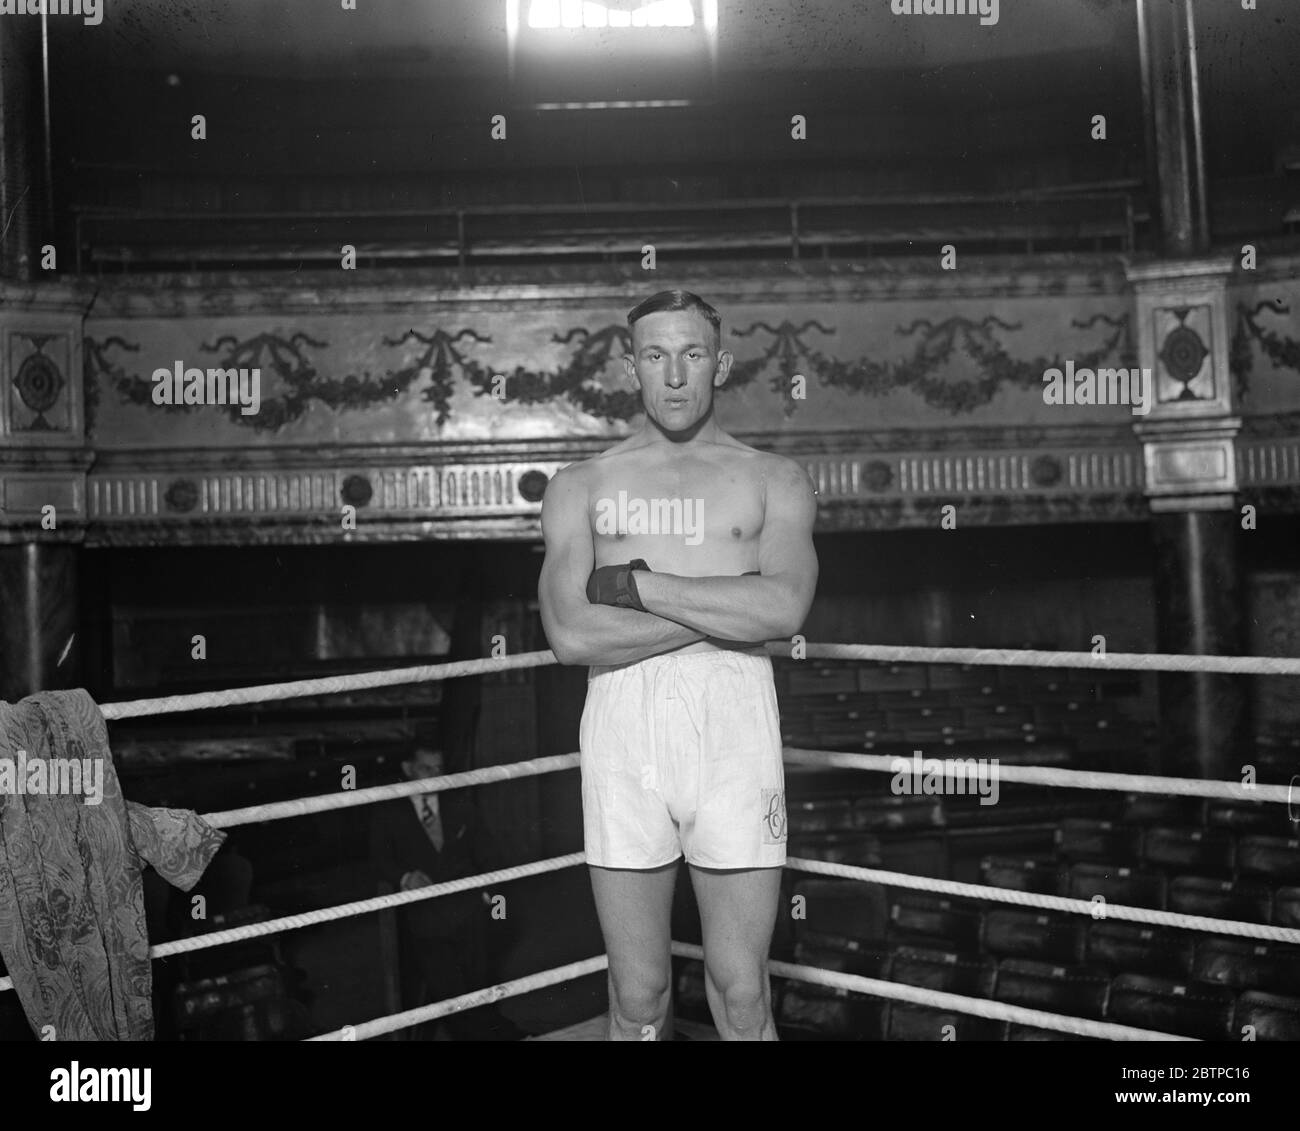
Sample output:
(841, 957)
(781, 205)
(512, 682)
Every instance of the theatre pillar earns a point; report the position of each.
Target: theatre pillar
(24, 188)
(1189, 437)
(38, 631)
(43, 465)
(43, 450)
(1189, 447)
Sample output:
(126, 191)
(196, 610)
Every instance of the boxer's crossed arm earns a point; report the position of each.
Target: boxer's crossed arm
(578, 631)
(771, 606)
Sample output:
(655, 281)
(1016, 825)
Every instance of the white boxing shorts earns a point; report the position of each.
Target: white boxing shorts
(681, 755)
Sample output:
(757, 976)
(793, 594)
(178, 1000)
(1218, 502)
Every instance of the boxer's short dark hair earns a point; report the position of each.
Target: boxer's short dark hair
(677, 300)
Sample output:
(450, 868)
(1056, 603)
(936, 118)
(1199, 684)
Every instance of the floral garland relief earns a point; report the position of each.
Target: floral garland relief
(446, 358)
(1283, 352)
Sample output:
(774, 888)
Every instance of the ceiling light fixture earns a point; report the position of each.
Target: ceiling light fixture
(641, 104)
(591, 14)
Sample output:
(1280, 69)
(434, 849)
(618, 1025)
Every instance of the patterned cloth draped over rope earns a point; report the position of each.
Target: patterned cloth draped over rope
(72, 925)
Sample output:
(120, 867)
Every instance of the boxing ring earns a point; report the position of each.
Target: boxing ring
(831, 979)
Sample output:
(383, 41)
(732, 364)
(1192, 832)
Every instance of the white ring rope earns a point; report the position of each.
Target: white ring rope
(816, 867)
(1053, 776)
(390, 1024)
(347, 910)
(875, 987)
(1032, 658)
(1141, 783)
(1048, 902)
(326, 685)
(345, 799)
(362, 906)
(997, 657)
(1037, 775)
(349, 798)
(940, 999)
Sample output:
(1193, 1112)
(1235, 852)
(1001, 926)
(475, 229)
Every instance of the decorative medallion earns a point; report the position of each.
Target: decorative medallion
(1046, 471)
(38, 384)
(1184, 354)
(878, 475)
(356, 490)
(182, 496)
(532, 485)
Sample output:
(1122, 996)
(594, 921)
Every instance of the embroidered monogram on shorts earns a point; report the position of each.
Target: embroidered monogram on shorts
(773, 816)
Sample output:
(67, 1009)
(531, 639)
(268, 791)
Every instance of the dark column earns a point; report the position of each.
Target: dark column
(1204, 718)
(38, 597)
(94, 644)
(38, 580)
(23, 188)
(1175, 144)
(458, 716)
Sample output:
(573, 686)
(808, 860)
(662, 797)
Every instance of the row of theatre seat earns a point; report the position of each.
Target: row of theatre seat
(868, 706)
(1232, 860)
(1264, 891)
(1207, 851)
(1222, 865)
(1170, 980)
(1259, 890)
(1196, 857)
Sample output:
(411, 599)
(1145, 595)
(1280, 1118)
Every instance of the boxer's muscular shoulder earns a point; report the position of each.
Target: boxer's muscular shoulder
(756, 466)
(567, 487)
(609, 468)
(591, 472)
(787, 482)
(790, 468)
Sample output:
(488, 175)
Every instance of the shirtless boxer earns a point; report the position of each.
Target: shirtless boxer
(680, 741)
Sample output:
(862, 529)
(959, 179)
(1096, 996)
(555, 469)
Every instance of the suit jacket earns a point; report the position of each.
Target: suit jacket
(399, 845)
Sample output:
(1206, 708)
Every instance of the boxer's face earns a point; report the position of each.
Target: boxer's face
(676, 364)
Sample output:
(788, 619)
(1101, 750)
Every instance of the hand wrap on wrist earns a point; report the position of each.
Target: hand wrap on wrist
(616, 585)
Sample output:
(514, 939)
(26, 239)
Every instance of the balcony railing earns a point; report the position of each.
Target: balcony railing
(117, 239)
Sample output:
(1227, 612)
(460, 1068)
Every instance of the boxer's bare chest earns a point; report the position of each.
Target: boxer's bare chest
(689, 515)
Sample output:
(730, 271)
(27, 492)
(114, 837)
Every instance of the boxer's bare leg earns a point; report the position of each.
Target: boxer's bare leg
(738, 914)
(635, 911)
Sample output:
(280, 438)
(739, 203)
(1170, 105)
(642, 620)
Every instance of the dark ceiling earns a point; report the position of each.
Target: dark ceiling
(283, 37)
(469, 36)
(405, 88)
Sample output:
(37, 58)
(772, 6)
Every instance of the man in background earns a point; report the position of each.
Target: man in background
(424, 839)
